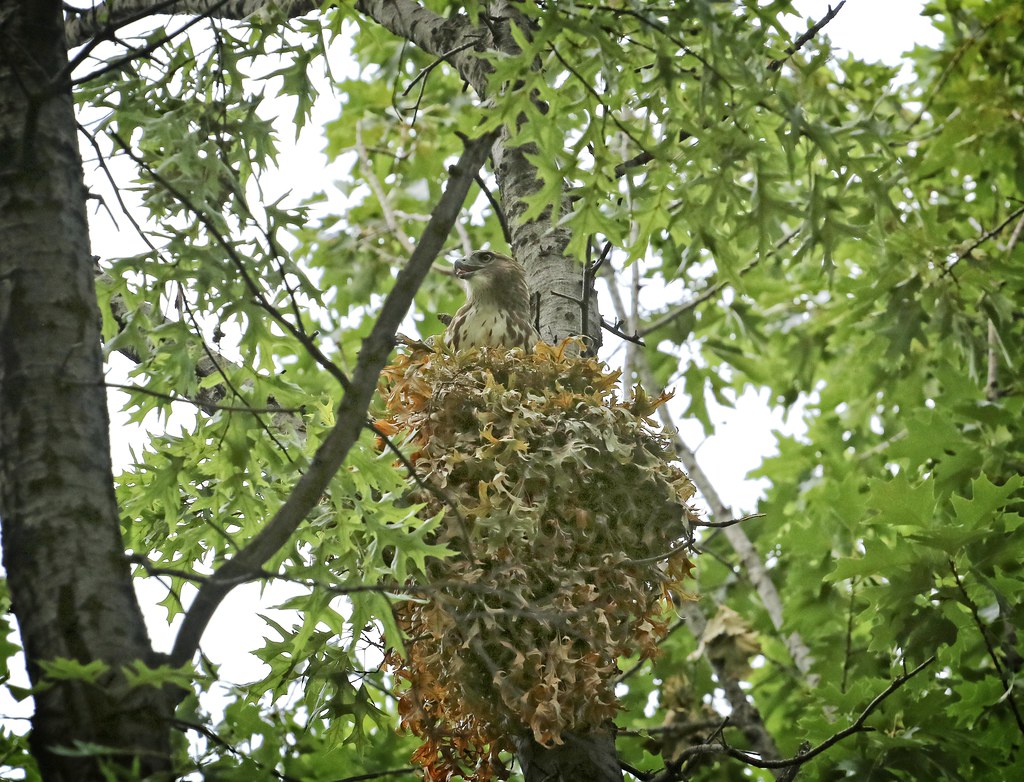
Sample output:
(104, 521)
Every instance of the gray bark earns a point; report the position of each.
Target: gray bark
(69, 580)
(745, 715)
(104, 18)
(555, 278)
(586, 757)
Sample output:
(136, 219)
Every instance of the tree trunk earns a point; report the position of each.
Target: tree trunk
(556, 279)
(586, 757)
(69, 581)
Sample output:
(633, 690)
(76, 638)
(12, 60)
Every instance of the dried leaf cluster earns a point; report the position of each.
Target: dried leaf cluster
(568, 522)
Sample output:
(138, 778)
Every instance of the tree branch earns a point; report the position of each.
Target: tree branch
(452, 40)
(799, 43)
(351, 415)
(857, 726)
(982, 238)
(728, 522)
(1005, 679)
(709, 291)
(103, 19)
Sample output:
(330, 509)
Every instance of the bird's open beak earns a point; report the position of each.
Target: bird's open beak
(465, 268)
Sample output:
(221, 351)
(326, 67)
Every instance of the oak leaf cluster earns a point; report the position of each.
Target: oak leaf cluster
(568, 525)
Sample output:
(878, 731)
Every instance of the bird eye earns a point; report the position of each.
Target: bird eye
(485, 255)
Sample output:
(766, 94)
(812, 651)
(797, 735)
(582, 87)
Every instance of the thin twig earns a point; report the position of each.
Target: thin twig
(798, 44)
(856, 727)
(496, 207)
(203, 405)
(983, 631)
(687, 545)
(616, 329)
(440, 59)
(984, 237)
(643, 776)
(729, 522)
(424, 484)
(156, 570)
(212, 735)
(102, 163)
(590, 270)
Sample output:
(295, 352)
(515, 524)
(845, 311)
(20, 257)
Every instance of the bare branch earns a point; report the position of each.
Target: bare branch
(103, 19)
(670, 773)
(728, 522)
(206, 406)
(799, 43)
(984, 237)
(709, 291)
(496, 207)
(616, 329)
(1005, 678)
(446, 57)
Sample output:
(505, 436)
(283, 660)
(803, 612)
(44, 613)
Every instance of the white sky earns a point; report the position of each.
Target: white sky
(869, 29)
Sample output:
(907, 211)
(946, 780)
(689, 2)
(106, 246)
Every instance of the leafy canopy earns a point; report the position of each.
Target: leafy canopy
(821, 231)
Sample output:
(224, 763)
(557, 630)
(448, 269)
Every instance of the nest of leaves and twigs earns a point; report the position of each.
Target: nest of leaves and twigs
(569, 526)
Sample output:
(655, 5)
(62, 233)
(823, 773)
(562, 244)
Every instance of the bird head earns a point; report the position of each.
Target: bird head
(484, 272)
(476, 262)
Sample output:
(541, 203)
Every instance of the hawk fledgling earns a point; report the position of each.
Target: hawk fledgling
(497, 310)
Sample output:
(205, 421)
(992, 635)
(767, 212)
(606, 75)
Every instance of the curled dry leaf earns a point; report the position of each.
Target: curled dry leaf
(562, 499)
(730, 639)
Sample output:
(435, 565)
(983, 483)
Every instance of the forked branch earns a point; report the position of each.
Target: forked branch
(670, 774)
